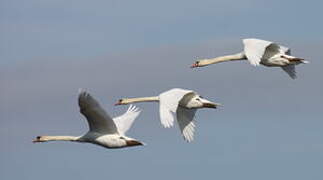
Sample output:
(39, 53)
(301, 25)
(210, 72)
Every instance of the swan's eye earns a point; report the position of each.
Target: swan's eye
(282, 56)
(198, 99)
(197, 62)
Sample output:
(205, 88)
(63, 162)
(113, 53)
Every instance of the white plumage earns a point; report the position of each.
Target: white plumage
(257, 52)
(103, 130)
(125, 121)
(168, 103)
(176, 104)
(185, 119)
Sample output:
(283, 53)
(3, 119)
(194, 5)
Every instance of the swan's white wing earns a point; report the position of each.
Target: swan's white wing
(98, 120)
(255, 50)
(290, 69)
(168, 102)
(166, 116)
(125, 121)
(185, 119)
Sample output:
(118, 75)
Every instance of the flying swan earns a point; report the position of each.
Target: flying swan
(104, 130)
(263, 52)
(181, 102)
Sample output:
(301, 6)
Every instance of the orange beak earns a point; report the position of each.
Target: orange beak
(118, 103)
(195, 65)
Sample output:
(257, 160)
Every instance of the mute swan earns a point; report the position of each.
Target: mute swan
(104, 130)
(263, 52)
(181, 102)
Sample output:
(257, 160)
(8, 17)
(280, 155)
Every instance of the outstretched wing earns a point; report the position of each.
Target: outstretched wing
(168, 102)
(98, 120)
(256, 49)
(290, 70)
(185, 119)
(125, 121)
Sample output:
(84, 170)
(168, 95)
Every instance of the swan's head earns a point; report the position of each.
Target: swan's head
(40, 139)
(192, 100)
(123, 102)
(199, 63)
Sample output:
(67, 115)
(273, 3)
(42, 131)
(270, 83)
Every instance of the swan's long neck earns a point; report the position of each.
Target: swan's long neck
(55, 138)
(140, 99)
(234, 57)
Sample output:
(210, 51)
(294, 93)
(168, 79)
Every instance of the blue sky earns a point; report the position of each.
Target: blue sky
(269, 128)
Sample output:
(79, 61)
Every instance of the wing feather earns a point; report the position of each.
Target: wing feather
(168, 103)
(125, 121)
(166, 116)
(290, 70)
(254, 50)
(185, 119)
(98, 120)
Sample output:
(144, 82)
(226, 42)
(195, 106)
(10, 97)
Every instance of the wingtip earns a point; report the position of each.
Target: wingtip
(83, 93)
(188, 140)
(168, 125)
(81, 90)
(255, 64)
(133, 108)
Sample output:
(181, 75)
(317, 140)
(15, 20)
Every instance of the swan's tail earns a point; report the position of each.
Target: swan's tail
(134, 143)
(305, 62)
(295, 59)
